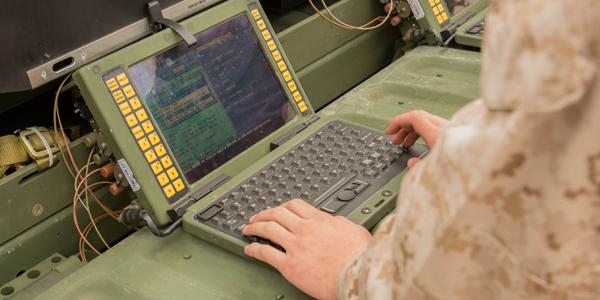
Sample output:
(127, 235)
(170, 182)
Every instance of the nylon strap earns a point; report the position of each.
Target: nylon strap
(13, 152)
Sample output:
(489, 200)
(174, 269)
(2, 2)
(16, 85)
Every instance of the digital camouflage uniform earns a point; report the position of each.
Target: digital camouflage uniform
(507, 204)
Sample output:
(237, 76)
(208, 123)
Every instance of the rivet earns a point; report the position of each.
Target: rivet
(386, 193)
(365, 210)
(37, 210)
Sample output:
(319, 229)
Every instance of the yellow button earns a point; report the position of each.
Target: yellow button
(302, 106)
(271, 44)
(255, 14)
(166, 161)
(436, 11)
(163, 179)
(169, 191)
(287, 76)
(444, 16)
(150, 155)
(156, 167)
(125, 108)
(173, 174)
(118, 96)
(122, 78)
(178, 184)
(144, 144)
(131, 120)
(292, 86)
(135, 103)
(160, 150)
(297, 96)
(154, 138)
(141, 115)
(440, 8)
(281, 65)
(276, 55)
(112, 84)
(148, 127)
(129, 92)
(261, 24)
(266, 35)
(440, 19)
(137, 132)
(432, 2)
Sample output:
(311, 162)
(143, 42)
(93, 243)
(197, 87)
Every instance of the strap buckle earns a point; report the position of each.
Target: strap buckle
(48, 151)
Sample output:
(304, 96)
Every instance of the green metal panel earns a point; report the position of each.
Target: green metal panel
(337, 72)
(31, 196)
(56, 234)
(182, 266)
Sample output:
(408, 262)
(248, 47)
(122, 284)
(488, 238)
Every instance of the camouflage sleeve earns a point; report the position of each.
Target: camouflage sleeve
(507, 205)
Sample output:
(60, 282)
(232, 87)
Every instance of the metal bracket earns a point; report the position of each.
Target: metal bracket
(158, 21)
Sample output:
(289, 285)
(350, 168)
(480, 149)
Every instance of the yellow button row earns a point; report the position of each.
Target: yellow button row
(438, 10)
(159, 160)
(144, 132)
(281, 65)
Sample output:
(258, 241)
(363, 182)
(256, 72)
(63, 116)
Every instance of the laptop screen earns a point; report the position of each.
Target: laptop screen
(215, 99)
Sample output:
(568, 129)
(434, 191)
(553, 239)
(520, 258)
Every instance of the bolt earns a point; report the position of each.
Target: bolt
(37, 210)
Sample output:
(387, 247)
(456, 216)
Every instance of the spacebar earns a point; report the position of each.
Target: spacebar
(342, 182)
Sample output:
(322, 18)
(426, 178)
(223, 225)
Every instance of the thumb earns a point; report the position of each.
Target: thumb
(413, 162)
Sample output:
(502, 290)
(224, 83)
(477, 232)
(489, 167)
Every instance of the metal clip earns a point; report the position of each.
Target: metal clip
(37, 155)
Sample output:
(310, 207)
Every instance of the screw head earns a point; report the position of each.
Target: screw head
(37, 210)
(365, 210)
(387, 193)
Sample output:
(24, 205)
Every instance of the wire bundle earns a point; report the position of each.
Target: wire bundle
(339, 23)
(82, 188)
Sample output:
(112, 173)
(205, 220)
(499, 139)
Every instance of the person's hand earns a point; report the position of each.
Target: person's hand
(408, 127)
(395, 20)
(317, 245)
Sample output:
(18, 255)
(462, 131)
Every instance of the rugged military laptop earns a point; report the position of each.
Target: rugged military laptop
(214, 132)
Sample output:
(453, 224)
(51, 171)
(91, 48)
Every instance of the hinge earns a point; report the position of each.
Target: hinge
(178, 211)
(292, 132)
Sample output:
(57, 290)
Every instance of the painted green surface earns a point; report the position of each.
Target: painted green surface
(182, 266)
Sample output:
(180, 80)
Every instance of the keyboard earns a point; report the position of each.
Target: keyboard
(477, 29)
(335, 169)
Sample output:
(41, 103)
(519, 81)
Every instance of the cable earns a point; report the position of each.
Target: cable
(87, 204)
(362, 27)
(75, 221)
(86, 232)
(57, 122)
(339, 23)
